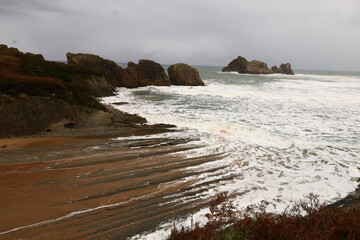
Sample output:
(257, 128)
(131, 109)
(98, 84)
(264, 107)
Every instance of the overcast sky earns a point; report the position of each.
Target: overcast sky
(310, 34)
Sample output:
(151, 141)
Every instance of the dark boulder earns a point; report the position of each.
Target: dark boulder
(183, 74)
(145, 73)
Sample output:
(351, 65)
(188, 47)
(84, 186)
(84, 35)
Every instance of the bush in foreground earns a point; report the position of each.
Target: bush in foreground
(307, 219)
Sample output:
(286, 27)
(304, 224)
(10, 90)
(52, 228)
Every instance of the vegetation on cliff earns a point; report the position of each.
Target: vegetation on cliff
(306, 219)
(29, 74)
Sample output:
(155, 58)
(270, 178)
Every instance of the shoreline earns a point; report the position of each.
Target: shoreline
(77, 187)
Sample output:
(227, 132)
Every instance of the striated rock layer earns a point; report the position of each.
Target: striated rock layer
(241, 65)
(183, 74)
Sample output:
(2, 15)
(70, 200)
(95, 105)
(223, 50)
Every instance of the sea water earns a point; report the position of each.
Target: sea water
(284, 136)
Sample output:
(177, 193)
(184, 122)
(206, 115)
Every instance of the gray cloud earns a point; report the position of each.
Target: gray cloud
(321, 34)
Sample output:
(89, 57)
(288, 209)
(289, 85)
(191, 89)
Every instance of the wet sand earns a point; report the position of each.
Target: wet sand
(27, 143)
(95, 188)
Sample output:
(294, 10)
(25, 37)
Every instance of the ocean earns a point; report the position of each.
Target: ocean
(282, 136)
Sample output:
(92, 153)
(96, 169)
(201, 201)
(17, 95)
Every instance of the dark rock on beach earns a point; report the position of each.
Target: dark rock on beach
(241, 65)
(183, 74)
(145, 73)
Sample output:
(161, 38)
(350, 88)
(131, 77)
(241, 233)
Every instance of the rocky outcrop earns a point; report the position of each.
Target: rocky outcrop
(257, 67)
(351, 201)
(285, 68)
(183, 74)
(275, 69)
(110, 77)
(43, 98)
(241, 65)
(48, 117)
(145, 73)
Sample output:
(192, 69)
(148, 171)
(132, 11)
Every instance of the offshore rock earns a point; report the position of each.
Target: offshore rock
(241, 65)
(145, 73)
(257, 67)
(183, 74)
(275, 69)
(285, 68)
(111, 73)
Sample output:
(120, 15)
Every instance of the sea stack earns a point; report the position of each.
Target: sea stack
(183, 74)
(285, 68)
(241, 65)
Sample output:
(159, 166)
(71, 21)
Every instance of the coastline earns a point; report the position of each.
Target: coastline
(97, 188)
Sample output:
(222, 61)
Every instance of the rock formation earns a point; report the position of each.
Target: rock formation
(183, 74)
(257, 67)
(145, 73)
(241, 65)
(285, 68)
(43, 98)
(111, 73)
(275, 69)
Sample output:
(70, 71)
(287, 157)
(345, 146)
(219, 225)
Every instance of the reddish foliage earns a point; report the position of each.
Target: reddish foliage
(305, 220)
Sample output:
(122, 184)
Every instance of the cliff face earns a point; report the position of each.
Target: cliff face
(241, 65)
(43, 98)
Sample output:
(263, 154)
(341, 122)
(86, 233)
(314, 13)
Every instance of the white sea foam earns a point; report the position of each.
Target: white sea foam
(284, 136)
